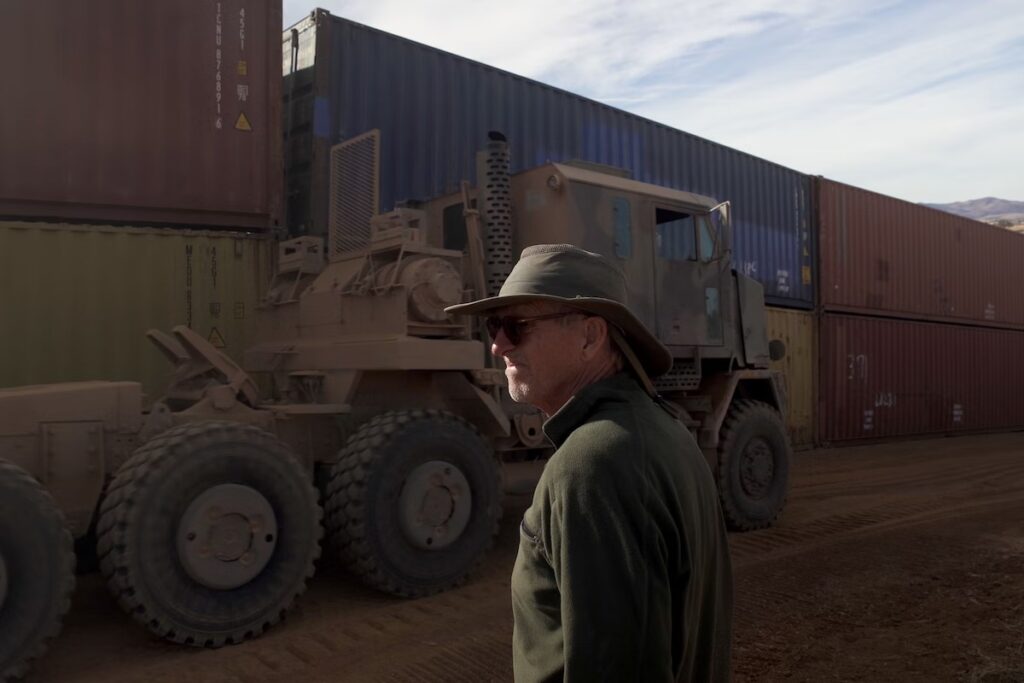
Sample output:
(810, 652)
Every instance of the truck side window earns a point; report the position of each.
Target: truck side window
(705, 232)
(454, 227)
(676, 235)
(623, 227)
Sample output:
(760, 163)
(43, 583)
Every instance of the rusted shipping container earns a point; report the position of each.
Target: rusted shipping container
(76, 301)
(883, 377)
(798, 331)
(155, 112)
(884, 256)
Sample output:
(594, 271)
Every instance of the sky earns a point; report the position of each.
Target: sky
(922, 100)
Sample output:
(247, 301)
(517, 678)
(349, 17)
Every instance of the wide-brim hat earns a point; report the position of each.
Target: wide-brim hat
(568, 275)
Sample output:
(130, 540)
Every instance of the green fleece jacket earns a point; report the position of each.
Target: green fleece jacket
(623, 571)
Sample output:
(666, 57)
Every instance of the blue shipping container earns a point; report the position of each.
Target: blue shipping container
(434, 110)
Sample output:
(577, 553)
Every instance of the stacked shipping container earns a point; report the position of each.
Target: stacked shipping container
(885, 377)
(157, 113)
(920, 332)
(434, 110)
(798, 331)
(885, 256)
(76, 301)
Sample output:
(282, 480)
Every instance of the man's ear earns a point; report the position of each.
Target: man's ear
(596, 332)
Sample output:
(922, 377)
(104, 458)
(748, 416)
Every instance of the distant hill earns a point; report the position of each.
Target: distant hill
(988, 209)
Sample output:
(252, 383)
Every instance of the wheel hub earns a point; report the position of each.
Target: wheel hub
(230, 537)
(434, 506)
(3, 581)
(757, 468)
(226, 536)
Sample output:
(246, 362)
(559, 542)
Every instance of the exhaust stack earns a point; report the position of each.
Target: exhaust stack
(495, 197)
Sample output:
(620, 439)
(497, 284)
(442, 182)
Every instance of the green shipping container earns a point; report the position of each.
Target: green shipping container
(797, 330)
(76, 301)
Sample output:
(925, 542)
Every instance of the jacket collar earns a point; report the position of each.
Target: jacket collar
(621, 387)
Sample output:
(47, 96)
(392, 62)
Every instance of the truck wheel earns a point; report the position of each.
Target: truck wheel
(37, 570)
(209, 532)
(753, 466)
(413, 502)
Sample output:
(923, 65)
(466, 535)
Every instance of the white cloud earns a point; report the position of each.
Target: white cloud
(916, 118)
(920, 99)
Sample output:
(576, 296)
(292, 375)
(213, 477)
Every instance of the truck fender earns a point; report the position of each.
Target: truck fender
(722, 389)
(467, 400)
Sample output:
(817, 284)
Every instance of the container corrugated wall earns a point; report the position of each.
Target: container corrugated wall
(883, 377)
(154, 112)
(434, 110)
(798, 330)
(885, 256)
(76, 302)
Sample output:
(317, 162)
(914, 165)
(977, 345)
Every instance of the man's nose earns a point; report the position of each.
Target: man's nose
(501, 345)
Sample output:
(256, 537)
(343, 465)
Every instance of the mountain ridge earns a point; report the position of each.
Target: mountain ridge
(988, 209)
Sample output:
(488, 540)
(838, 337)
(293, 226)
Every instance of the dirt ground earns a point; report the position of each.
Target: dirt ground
(895, 562)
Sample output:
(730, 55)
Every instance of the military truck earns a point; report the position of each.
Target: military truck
(363, 405)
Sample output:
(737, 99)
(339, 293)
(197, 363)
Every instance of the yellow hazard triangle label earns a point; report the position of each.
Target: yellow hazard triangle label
(242, 123)
(216, 339)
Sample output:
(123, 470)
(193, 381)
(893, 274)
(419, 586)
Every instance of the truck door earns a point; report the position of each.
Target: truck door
(688, 276)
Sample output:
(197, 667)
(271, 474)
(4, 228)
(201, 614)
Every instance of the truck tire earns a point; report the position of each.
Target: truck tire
(37, 570)
(753, 466)
(414, 501)
(209, 532)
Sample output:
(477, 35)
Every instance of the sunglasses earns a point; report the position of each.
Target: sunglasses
(515, 328)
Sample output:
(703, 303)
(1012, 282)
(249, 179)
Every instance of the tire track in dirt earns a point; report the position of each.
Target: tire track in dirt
(759, 599)
(931, 598)
(303, 647)
(916, 558)
(372, 623)
(483, 655)
(900, 476)
(791, 539)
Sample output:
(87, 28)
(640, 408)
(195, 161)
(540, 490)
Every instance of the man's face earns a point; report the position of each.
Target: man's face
(546, 360)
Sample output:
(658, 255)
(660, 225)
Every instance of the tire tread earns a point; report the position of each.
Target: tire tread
(346, 501)
(116, 557)
(16, 477)
(739, 413)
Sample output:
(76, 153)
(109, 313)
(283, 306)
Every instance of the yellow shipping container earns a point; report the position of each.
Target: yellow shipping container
(797, 330)
(76, 301)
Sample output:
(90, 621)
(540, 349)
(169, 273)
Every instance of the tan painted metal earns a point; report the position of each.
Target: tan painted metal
(70, 437)
(721, 388)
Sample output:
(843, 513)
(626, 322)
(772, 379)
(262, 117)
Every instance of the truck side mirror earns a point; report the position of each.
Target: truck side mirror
(721, 227)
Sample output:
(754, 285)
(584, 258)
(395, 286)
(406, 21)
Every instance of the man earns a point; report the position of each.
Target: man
(623, 570)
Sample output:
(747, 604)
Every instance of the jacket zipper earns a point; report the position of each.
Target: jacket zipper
(535, 539)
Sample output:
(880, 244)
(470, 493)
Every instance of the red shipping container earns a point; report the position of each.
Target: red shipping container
(148, 112)
(882, 377)
(884, 256)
